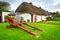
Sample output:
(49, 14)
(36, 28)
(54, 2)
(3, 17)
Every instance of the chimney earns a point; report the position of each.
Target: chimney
(30, 3)
(40, 7)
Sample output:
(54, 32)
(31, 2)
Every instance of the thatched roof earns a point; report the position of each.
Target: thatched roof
(29, 8)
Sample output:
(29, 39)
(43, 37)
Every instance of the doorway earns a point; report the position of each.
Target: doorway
(0, 19)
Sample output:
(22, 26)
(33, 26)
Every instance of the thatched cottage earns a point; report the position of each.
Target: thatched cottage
(28, 11)
(31, 12)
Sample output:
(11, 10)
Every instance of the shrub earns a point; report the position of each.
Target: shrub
(28, 20)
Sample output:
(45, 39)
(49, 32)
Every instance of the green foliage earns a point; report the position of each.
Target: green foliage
(4, 6)
(28, 20)
(53, 20)
(48, 18)
(55, 15)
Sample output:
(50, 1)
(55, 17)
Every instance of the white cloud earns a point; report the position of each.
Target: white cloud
(55, 10)
(50, 5)
(56, 2)
(53, 6)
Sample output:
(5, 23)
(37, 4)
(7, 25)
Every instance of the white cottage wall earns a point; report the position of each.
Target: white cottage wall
(4, 14)
(27, 16)
(39, 18)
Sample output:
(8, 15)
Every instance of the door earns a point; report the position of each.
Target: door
(0, 19)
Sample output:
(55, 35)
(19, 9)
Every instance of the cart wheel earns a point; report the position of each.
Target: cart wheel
(7, 27)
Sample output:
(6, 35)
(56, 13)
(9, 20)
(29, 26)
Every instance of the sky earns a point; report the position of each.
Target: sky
(49, 5)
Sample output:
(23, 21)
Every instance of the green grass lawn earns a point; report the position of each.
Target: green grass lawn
(50, 32)
(54, 22)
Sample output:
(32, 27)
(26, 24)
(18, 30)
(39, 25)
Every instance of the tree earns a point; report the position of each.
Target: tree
(4, 6)
(55, 15)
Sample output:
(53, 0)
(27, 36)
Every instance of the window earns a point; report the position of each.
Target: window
(0, 13)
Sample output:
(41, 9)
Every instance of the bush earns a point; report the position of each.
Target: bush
(49, 18)
(28, 20)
